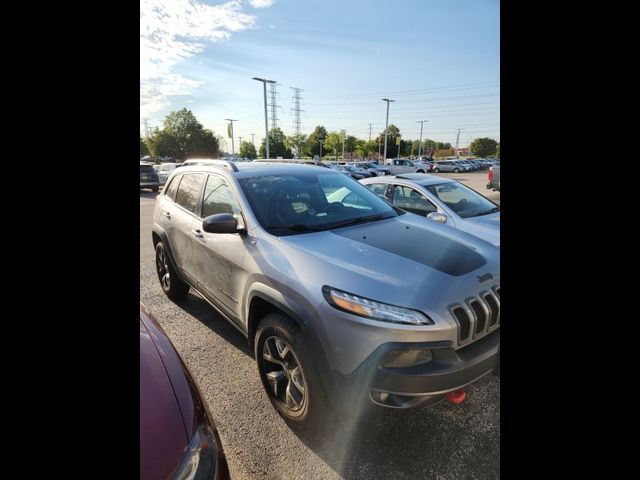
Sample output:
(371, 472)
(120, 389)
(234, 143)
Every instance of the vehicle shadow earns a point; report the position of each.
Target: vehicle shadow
(436, 441)
(196, 306)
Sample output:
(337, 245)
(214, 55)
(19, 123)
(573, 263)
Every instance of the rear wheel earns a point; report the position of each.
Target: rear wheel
(456, 170)
(436, 170)
(288, 373)
(172, 286)
(420, 171)
(155, 189)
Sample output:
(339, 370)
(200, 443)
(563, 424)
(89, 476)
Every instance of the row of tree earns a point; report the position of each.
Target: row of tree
(182, 136)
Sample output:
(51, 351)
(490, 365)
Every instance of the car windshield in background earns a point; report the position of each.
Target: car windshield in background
(146, 169)
(463, 200)
(288, 204)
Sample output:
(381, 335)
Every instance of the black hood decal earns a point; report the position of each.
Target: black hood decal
(417, 244)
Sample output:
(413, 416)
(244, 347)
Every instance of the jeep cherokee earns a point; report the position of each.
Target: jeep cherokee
(341, 301)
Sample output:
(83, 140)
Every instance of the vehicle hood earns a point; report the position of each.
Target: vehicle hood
(163, 437)
(406, 260)
(486, 227)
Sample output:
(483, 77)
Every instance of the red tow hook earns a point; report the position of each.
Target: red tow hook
(457, 397)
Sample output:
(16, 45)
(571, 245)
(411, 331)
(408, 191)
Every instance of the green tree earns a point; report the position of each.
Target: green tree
(392, 133)
(298, 144)
(163, 144)
(333, 143)
(364, 149)
(313, 140)
(350, 144)
(483, 147)
(277, 145)
(183, 136)
(247, 150)
(144, 150)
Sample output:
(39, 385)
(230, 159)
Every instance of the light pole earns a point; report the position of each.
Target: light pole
(266, 123)
(386, 127)
(240, 145)
(320, 148)
(344, 137)
(421, 122)
(233, 148)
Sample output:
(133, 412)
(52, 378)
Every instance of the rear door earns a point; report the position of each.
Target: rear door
(180, 222)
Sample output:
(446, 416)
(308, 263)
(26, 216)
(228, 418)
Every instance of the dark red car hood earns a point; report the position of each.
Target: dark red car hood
(163, 437)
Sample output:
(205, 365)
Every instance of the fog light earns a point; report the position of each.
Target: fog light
(406, 358)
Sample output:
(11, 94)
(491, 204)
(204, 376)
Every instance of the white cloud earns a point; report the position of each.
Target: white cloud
(174, 30)
(261, 3)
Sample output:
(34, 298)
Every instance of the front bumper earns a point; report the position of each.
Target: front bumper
(448, 370)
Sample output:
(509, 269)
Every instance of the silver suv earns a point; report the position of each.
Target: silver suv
(343, 303)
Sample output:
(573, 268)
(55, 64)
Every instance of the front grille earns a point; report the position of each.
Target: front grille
(493, 307)
(481, 317)
(463, 321)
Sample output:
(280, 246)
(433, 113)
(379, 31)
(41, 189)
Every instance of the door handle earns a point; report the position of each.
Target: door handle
(197, 233)
(167, 215)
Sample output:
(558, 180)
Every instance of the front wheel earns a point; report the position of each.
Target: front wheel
(456, 170)
(436, 170)
(288, 373)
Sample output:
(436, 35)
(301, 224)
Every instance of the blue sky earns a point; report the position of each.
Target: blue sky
(439, 60)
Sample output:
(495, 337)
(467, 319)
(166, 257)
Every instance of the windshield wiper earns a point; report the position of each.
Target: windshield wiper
(356, 221)
(493, 210)
(298, 227)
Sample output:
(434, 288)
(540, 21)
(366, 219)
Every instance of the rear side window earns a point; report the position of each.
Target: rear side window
(146, 169)
(170, 190)
(189, 190)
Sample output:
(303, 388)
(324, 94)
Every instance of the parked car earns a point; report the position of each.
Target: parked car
(401, 165)
(355, 172)
(164, 170)
(148, 177)
(441, 199)
(373, 168)
(343, 303)
(178, 439)
(447, 166)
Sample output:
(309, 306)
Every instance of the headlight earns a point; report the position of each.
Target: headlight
(367, 308)
(201, 459)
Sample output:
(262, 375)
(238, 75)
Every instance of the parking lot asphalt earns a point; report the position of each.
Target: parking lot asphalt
(442, 441)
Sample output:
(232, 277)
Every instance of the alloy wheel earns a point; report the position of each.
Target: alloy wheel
(283, 373)
(163, 269)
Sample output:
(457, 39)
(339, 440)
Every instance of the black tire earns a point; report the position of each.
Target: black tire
(172, 286)
(420, 171)
(282, 374)
(456, 170)
(155, 189)
(436, 170)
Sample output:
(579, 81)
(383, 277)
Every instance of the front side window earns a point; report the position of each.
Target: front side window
(411, 200)
(463, 200)
(218, 198)
(188, 191)
(377, 188)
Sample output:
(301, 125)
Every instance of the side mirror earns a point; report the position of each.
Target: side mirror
(438, 217)
(221, 223)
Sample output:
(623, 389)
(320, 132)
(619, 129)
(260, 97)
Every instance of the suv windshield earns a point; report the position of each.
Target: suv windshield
(287, 204)
(463, 200)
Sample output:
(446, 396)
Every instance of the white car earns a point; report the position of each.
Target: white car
(164, 170)
(441, 199)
